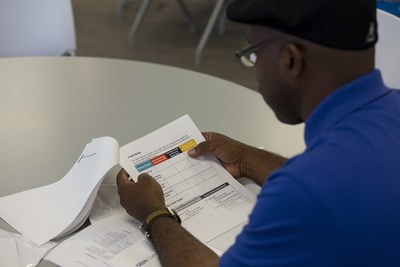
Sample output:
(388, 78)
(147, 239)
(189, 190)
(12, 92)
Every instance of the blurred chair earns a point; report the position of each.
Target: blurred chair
(142, 12)
(36, 28)
(219, 10)
(121, 4)
(387, 51)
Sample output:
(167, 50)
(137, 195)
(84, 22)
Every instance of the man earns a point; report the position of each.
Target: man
(337, 203)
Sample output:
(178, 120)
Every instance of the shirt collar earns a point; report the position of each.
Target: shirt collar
(343, 101)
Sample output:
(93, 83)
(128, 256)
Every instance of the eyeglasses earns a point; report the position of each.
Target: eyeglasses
(248, 55)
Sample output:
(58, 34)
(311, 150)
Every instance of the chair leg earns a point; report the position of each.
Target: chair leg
(222, 19)
(222, 23)
(138, 20)
(188, 17)
(120, 8)
(207, 32)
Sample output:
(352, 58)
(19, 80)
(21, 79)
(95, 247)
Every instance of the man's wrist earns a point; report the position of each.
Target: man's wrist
(156, 215)
(252, 159)
(259, 164)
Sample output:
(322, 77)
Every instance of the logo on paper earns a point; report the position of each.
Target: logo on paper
(87, 156)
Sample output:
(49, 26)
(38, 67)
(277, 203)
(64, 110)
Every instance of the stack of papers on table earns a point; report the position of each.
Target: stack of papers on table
(208, 199)
(58, 209)
(114, 238)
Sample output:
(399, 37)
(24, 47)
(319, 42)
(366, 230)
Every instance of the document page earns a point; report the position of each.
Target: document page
(113, 241)
(206, 197)
(49, 211)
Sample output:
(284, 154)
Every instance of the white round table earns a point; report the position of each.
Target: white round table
(51, 107)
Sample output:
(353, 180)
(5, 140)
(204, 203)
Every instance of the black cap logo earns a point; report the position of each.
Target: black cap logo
(371, 36)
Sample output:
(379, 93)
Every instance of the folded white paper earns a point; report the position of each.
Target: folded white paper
(57, 209)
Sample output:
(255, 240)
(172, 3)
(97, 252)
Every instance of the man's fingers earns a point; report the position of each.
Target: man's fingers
(211, 135)
(204, 147)
(142, 177)
(198, 151)
(122, 177)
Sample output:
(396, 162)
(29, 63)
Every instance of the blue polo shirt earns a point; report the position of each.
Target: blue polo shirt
(338, 203)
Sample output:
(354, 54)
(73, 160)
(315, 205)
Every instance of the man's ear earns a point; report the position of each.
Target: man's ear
(292, 60)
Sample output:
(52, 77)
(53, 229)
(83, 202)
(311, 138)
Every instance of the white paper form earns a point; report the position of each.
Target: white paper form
(113, 241)
(8, 252)
(107, 204)
(206, 197)
(114, 238)
(46, 212)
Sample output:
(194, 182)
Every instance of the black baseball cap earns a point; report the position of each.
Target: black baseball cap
(340, 24)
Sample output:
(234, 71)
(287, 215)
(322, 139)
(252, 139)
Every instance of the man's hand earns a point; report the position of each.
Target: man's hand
(239, 159)
(175, 246)
(232, 154)
(141, 198)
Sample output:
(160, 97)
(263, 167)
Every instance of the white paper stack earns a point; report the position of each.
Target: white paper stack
(58, 209)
